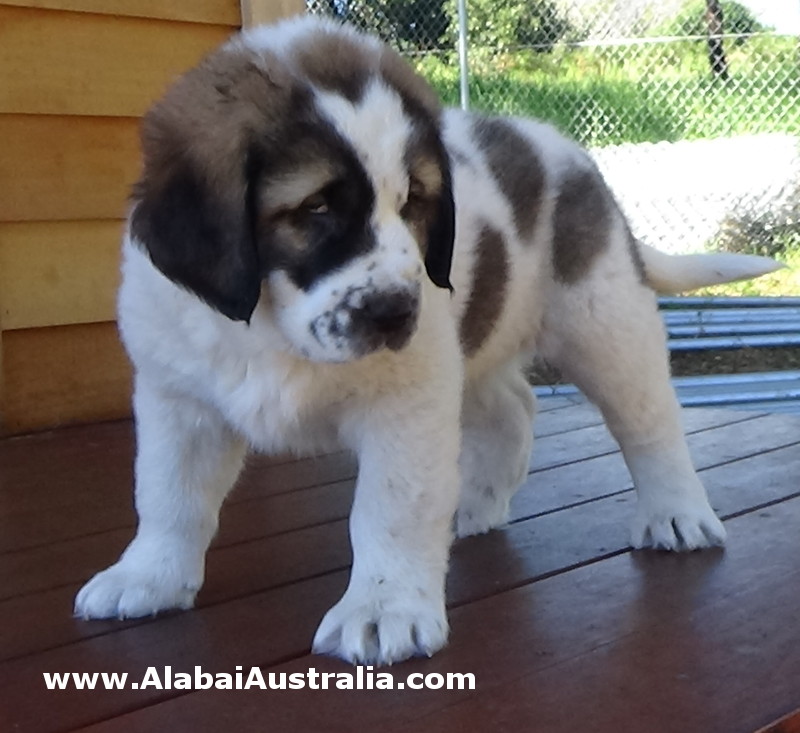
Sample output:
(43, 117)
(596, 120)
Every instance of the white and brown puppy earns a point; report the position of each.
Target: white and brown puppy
(286, 286)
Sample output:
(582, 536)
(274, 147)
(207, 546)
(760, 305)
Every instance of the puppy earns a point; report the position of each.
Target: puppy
(297, 276)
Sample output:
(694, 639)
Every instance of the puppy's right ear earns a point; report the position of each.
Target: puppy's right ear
(195, 204)
(199, 237)
(441, 234)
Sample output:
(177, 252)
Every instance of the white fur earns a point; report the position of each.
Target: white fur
(206, 386)
(673, 273)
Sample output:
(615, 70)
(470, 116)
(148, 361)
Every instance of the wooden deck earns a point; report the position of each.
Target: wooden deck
(562, 626)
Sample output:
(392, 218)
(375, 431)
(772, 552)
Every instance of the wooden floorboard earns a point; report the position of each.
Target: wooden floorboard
(632, 643)
(640, 637)
(32, 573)
(98, 489)
(787, 724)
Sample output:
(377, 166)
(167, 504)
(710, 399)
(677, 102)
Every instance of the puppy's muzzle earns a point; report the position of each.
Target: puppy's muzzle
(386, 318)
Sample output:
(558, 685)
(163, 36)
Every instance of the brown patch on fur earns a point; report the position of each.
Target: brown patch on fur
(344, 63)
(581, 222)
(488, 295)
(205, 116)
(337, 63)
(430, 208)
(516, 168)
(414, 90)
(418, 213)
(425, 169)
(425, 186)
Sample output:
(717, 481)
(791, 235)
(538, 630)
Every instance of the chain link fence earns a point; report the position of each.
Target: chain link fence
(690, 107)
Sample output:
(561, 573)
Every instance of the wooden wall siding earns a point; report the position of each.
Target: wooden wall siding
(75, 77)
(54, 62)
(217, 12)
(69, 272)
(65, 168)
(267, 11)
(64, 375)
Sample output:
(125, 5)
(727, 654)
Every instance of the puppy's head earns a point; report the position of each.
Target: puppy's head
(299, 172)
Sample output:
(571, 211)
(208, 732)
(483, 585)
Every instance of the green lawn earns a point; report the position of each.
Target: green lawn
(649, 93)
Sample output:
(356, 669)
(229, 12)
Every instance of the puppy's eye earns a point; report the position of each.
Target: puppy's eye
(315, 205)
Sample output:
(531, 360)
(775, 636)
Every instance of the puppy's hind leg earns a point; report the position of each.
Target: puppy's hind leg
(497, 436)
(605, 334)
(187, 459)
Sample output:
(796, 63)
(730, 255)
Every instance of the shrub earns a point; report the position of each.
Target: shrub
(502, 25)
(691, 20)
(772, 231)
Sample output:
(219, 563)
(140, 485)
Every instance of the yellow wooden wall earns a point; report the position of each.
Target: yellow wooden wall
(75, 77)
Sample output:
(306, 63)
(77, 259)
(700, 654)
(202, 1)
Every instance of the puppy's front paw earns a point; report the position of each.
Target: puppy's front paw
(382, 627)
(690, 525)
(127, 591)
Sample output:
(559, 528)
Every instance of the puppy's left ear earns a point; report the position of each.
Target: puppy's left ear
(441, 233)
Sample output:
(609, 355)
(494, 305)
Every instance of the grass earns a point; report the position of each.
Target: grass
(649, 93)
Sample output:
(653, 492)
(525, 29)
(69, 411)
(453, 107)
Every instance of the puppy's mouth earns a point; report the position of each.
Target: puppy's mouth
(367, 320)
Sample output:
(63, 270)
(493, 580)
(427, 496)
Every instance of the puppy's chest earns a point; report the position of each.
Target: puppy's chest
(277, 406)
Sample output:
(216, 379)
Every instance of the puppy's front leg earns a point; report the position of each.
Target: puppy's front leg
(187, 460)
(400, 530)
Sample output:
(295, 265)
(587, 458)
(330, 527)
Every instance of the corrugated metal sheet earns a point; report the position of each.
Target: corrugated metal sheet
(728, 323)
(695, 324)
(763, 391)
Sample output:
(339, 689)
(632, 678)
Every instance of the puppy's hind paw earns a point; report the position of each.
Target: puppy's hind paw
(367, 633)
(481, 511)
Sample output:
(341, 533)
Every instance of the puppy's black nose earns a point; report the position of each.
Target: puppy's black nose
(389, 313)
(391, 316)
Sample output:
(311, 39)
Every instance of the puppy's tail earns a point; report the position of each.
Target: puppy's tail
(678, 273)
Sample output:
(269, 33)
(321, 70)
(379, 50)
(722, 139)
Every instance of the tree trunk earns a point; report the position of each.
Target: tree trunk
(716, 52)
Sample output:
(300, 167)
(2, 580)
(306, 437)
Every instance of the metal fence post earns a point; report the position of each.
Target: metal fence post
(463, 60)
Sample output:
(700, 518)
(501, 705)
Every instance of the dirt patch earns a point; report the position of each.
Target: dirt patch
(735, 361)
(688, 363)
